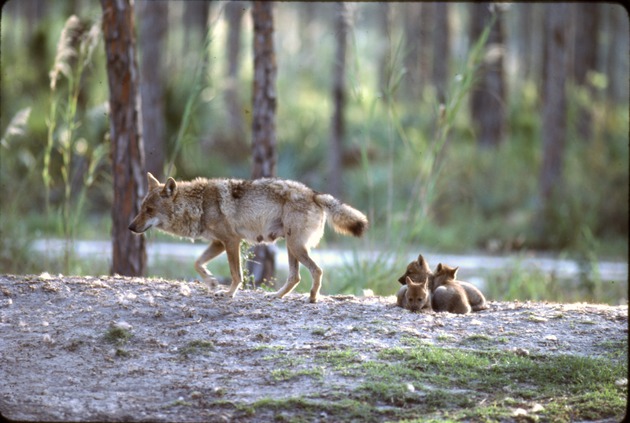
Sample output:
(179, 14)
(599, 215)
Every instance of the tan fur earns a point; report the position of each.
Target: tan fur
(418, 270)
(226, 211)
(446, 292)
(414, 296)
(475, 298)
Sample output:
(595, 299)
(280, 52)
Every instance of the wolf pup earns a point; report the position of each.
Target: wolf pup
(226, 211)
(414, 296)
(417, 270)
(448, 294)
(474, 296)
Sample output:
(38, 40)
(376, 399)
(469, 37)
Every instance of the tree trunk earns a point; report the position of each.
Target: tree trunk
(385, 65)
(335, 151)
(411, 29)
(129, 256)
(264, 122)
(585, 60)
(233, 14)
(153, 21)
(554, 108)
(617, 64)
(426, 43)
(196, 13)
(441, 51)
(487, 103)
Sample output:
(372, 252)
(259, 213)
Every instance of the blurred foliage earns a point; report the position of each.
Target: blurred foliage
(452, 196)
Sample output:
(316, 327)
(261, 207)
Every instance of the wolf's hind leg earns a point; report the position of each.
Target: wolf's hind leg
(301, 253)
(294, 277)
(211, 252)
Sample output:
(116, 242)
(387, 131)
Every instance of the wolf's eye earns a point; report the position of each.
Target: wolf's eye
(149, 210)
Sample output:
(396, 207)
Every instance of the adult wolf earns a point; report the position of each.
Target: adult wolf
(226, 211)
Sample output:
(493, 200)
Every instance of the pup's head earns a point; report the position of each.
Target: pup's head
(156, 207)
(444, 273)
(417, 295)
(417, 270)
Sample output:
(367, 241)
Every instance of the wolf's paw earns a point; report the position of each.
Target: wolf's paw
(225, 294)
(271, 295)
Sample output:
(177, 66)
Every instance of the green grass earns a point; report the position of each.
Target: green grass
(196, 347)
(444, 384)
(117, 335)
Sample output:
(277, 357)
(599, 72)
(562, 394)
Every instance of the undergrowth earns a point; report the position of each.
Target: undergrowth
(413, 167)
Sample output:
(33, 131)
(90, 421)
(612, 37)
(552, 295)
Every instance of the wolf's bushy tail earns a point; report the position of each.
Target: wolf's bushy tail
(343, 218)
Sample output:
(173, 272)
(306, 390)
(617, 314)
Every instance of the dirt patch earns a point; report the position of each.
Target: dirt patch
(114, 348)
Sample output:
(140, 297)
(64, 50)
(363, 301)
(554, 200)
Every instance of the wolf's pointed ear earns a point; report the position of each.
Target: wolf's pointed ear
(454, 270)
(169, 188)
(439, 267)
(421, 259)
(152, 181)
(408, 281)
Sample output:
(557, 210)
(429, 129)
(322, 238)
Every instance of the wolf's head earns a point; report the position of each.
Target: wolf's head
(417, 270)
(417, 295)
(156, 207)
(443, 274)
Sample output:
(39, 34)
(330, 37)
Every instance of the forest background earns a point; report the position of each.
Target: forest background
(448, 140)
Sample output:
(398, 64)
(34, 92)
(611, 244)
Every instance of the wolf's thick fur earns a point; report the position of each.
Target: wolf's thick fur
(446, 293)
(226, 211)
(417, 270)
(475, 298)
(414, 296)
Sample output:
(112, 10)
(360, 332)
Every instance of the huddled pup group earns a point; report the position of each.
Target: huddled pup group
(438, 291)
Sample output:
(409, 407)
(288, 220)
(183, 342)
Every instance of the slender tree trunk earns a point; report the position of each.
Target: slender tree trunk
(233, 14)
(411, 21)
(617, 64)
(385, 65)
(153, 21)
(427, 22)
(335, 151)
(307, 18)
(523, 39)
(441, 50)
(196, 14)
(487, 103)
(585, 59)
(264, 121)
(129, 256)
(554, 109)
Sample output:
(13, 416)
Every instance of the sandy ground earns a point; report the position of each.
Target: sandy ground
(185, 355)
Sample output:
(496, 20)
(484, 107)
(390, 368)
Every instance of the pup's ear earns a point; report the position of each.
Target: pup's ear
(152, 182)
(420, 259)
(439, 267)
(408, 281)
(454, 270)
(169, 188)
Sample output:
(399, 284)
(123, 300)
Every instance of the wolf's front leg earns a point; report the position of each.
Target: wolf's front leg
(211, 252)
(233, 251)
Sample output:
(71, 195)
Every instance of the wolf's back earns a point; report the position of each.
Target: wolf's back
(343, 218)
